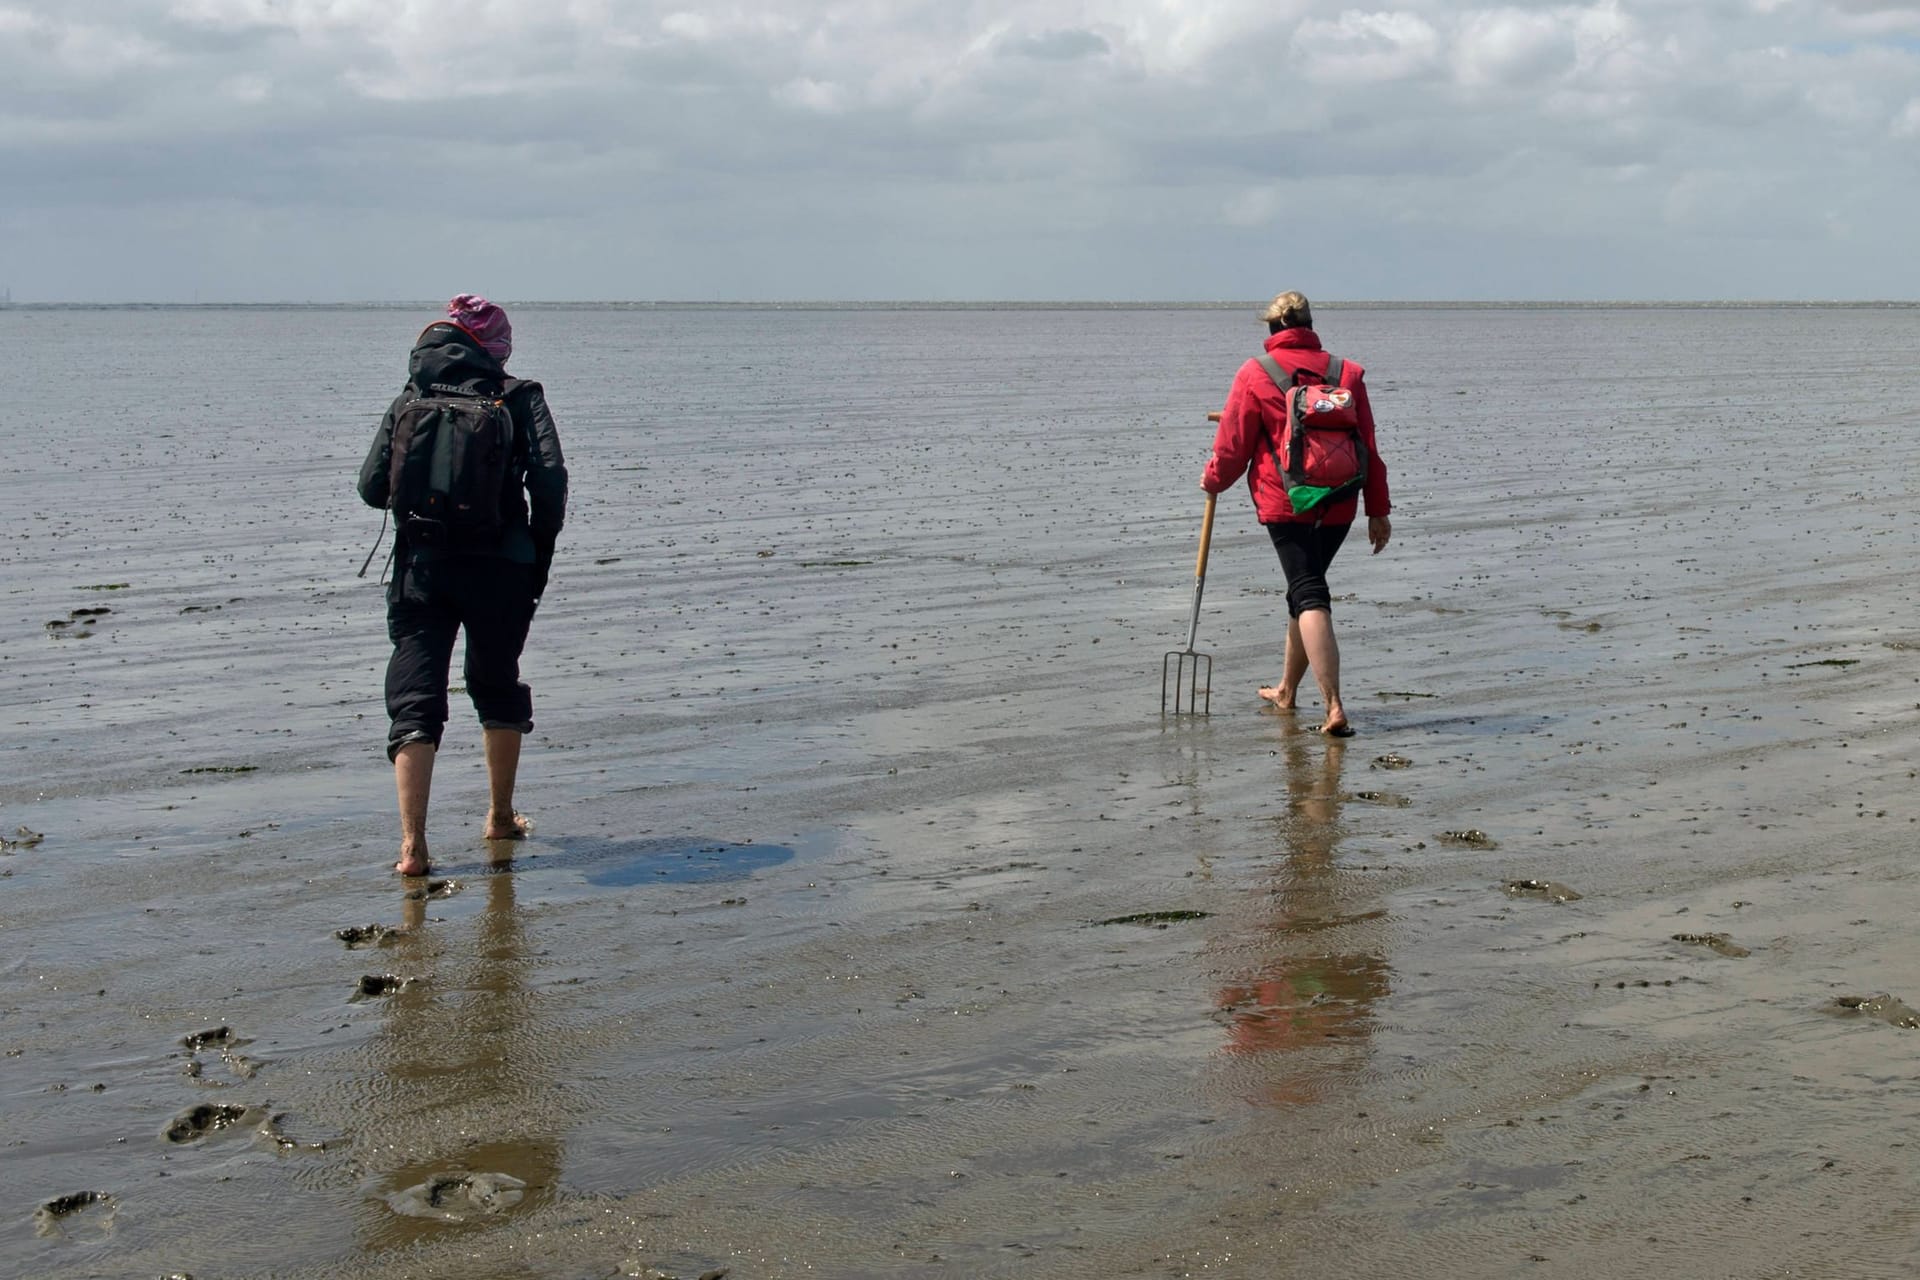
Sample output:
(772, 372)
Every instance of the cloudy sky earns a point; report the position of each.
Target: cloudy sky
(964, 149)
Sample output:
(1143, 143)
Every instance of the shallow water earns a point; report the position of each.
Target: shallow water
(847, 695)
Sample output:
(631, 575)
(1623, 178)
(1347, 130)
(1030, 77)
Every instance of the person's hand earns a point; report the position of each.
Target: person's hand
(1379, 530)
(542, 564)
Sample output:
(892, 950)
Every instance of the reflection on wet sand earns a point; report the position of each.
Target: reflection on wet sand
(459, 1099)
(1306, 992)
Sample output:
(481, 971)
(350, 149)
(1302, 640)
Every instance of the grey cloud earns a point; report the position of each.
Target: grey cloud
(1057, 46)
(876, 150)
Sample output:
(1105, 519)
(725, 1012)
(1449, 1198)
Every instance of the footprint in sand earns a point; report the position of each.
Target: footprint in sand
(22, 839)
(197, 1123)
(274, 1130)
(218, 1038)
(374, 985)
(82, 1213)
(226, 1044)
(458, 1196)
(1718, 943)
(1882, 1007)
(1391, 761)
(1471, 838)
(434, 889)
(1386, 798)
(358, 937)
(1545, 890)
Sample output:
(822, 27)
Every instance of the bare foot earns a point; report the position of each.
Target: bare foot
(514, 826)
(1337, 726)
(1282, 699)
(413, 861)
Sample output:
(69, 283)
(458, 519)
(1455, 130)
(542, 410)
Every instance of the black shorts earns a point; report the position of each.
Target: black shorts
(1305, 552)
(428, 603)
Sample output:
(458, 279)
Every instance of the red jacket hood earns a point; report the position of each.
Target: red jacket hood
(1295, 339)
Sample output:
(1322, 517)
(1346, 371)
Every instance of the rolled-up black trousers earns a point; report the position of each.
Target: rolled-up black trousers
(428, 603)
(1306, 552)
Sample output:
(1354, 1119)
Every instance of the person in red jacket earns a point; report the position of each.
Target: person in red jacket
(1251, 428)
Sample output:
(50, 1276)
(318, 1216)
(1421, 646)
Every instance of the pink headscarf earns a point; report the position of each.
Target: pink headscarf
(486, 322)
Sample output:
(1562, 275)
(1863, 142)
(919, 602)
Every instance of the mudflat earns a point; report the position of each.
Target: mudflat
(875, 922)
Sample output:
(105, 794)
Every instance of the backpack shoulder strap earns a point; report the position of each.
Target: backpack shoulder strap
(1336, 371)
(1281, 378)
(524, 446)
(1284, 381)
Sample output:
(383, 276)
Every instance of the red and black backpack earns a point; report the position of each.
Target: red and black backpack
(1321, 455)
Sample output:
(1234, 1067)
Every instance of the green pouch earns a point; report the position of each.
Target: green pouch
(1305, 497)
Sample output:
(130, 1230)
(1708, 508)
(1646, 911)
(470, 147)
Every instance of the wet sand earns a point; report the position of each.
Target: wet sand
(876, 924)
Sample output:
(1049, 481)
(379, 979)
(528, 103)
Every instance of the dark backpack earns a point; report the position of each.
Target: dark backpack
(453, 458)
(1321, 455)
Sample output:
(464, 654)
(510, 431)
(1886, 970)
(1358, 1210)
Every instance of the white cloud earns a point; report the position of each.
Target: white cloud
(1256, 206)
(249, 89)
(1364, 48)
(1513, 46)
(1874, 17)
(65, 46)
(813, 95)
(1142, 133)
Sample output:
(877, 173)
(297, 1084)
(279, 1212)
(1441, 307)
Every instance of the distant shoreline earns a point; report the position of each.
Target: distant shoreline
(1063, 305)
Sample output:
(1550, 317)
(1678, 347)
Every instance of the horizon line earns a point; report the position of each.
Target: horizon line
(927, 304)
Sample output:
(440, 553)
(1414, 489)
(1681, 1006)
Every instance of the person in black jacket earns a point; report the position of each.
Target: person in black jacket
(490, 588)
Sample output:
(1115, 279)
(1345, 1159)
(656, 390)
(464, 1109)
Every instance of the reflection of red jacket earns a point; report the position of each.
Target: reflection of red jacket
(1255, 416)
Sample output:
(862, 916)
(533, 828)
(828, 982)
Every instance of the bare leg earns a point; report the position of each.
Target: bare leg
(413, 780)
(1295, 670)
(503, 767)
(1323, 655)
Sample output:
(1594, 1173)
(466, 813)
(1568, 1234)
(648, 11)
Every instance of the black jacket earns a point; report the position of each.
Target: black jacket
(446, 355)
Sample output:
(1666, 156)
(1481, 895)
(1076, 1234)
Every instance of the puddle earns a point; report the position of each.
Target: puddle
(1158, 919)
(1313, 924)
(1477, 725)
(1290, 1005)
(696, 864)
(625, 863)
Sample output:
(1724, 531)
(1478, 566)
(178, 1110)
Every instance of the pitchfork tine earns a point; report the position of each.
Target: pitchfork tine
(1184, 666)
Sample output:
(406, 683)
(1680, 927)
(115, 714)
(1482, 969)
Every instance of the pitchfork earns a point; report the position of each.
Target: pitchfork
(1189, 675)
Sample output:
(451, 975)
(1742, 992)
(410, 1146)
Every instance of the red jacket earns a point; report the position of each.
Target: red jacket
(1255, 416)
